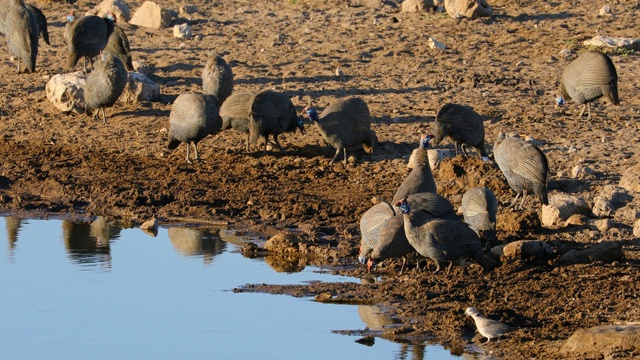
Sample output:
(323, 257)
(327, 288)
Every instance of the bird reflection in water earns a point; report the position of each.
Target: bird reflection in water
(196, 242)
(13, 225)
(89, 243)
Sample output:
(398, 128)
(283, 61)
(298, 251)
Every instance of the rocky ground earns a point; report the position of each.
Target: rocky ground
(506, 67)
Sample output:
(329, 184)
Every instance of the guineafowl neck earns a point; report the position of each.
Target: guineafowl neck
(422, 157)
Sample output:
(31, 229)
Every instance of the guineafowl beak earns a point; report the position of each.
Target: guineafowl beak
(301, 125)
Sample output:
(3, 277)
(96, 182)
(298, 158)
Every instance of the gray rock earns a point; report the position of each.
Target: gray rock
(182, 31)
(435, 44)
(139, 88)
(631, 179)
(527, 250)
(601, 224)
(151, 15)
(576, 219)
(606, 11)
(468, 8)
(561, 207)
(596, 341)
(142, 67)
(606, 251)
(150, 227)
(118, 7)
(582, 172)
(417, 5)
(611, 198)
(66, 91)
(615, 43)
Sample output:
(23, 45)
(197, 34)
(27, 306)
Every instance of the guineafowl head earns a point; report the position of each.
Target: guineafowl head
(425, 142)
(71, 16)
(370, 264)
(300, 124)
(560, 101)
(404, 206)
(311, 113)
(111, 16)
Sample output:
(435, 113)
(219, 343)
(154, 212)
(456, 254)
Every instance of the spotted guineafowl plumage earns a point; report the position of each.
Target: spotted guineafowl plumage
(193, 117)
(118, 44)
(443, 240)
(479, 208)
(41, 20)
(235, 112)
(382, 227)
(272, 113)
(589, 77)
(420, 179)
(86, 37)
(22, 34)
(104, 85)
(524, 165)
(217, 79)
(345, 124)
(463, 125)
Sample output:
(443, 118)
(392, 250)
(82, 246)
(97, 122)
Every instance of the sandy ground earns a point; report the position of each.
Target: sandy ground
(506, 67)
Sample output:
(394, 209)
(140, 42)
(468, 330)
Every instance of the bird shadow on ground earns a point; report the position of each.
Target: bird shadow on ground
(146, 112)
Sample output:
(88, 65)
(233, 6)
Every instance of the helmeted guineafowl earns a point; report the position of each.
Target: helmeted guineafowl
(272, 113)
(41, 20)
(118, 43)
(463, 125)
(345, 124)
(22, 34)
(524, 165)
(479, 208)
(217, 79)
(104, 85)
(443, 240)
(235, 113)
(588, 78)
(193, 117)
(420, 179)
(489, 328)
(87, 36)
(382, 229)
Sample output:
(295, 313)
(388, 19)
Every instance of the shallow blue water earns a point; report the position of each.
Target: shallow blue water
(77, 291)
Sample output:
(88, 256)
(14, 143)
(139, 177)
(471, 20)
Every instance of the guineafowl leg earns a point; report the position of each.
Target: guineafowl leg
(584, 106)
(449, 268)
(188, 147)
(404, 261)
(524, 196)
(335, 156)
(513, 202)
(84, 64)
(344, 149)
(464, 150)
(247, 142)
(195, 150)
(275, 139)
(455, 146)
(589, 111)
(104, 116)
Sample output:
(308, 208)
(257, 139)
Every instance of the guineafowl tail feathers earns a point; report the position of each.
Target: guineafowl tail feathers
(72, 59)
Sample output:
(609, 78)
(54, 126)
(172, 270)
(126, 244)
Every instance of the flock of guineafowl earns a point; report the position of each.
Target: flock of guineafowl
(416, 219)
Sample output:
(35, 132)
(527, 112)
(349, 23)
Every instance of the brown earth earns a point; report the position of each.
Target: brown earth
(507, 67)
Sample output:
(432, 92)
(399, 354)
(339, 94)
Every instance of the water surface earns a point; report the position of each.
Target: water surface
(93, 290)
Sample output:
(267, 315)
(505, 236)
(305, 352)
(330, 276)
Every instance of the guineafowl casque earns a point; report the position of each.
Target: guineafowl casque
(41, 20)
(87, 36)
(420, 179)
(22, 34)
(118, 43)
(382, 229)
(217, 79)
(272, 113)
(589, 77)
(345, 124)
(479, 208)
(193, 117)
(104, 85)
(443, 240)
(235, 113)
(524, 165)
(463, 125)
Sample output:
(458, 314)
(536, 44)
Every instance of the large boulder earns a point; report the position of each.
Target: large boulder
(614, 43)
(631, 179)
(151, 15)
(611, 198)
(606, 251)
(561, 207)
(139, 88)
(468, 8)
(596, 342)
(118, 7)
(66, 91)
(417, 5)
